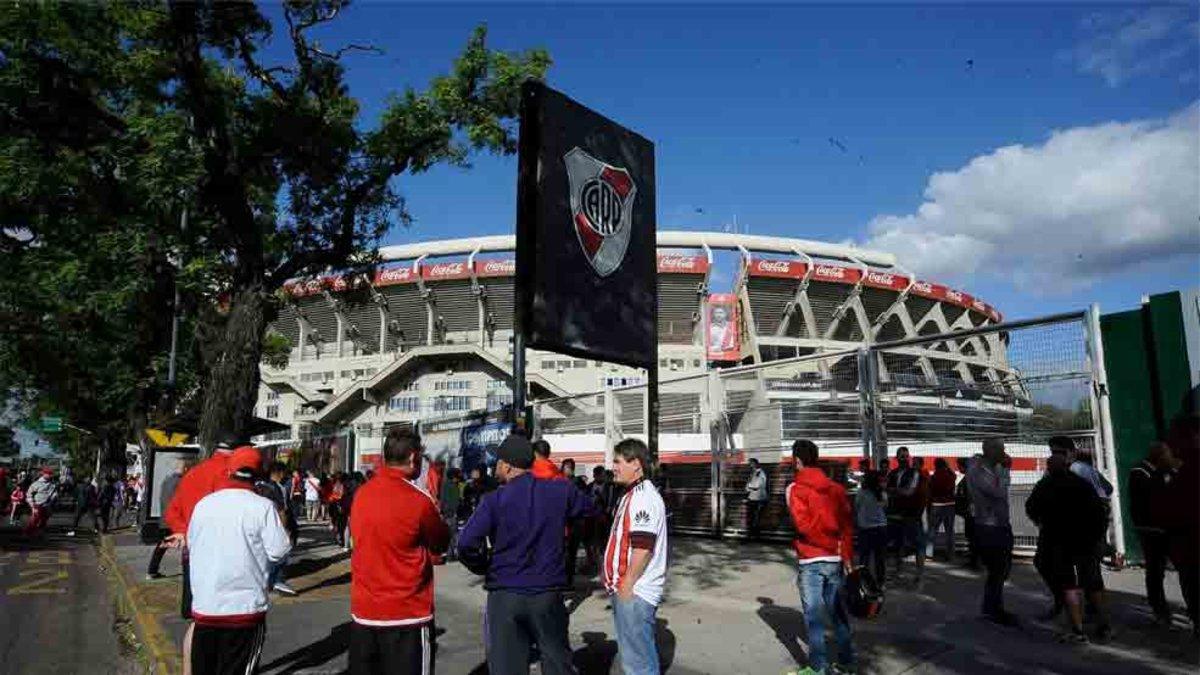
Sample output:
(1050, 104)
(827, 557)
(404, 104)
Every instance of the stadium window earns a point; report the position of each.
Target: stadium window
(695, 363)
(272, 395)
(564, 364)
(272, 412)
(547, 365)
(580, 364)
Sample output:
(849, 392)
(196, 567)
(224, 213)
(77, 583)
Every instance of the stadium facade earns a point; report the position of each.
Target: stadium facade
(428, 340)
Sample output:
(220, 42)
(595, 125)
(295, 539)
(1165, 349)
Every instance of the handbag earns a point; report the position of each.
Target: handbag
(864, 597)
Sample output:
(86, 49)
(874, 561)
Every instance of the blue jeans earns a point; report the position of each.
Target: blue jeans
(634, 623)
(821, 594)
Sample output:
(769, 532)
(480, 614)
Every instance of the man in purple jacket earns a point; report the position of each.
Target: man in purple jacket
(524, 521)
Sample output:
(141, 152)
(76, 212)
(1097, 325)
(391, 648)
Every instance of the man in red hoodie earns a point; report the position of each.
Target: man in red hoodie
(543, 468)
(397, 532)
(824, 544)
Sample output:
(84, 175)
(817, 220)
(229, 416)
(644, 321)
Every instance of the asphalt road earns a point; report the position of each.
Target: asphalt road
(56, 613)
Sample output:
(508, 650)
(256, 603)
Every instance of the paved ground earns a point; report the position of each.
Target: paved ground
(732, 608)
(56, 611)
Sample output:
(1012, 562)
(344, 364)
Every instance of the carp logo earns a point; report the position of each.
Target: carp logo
(641, 518)
(602, 198)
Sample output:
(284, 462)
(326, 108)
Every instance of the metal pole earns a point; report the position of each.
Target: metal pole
(1100, 401)
(519, 377)
(183, 221)
(652, 412)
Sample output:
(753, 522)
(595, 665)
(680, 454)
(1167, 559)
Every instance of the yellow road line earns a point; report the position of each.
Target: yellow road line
(162, 648)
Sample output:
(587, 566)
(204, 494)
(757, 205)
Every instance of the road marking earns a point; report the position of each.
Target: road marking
(37, 586)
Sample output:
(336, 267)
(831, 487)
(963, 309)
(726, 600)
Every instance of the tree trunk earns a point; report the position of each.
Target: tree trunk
(231, 384)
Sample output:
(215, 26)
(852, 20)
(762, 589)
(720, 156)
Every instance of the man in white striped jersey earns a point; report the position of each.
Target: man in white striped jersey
(635, 560)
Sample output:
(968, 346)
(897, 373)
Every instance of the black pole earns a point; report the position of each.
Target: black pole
(652, 412)
(519, 379)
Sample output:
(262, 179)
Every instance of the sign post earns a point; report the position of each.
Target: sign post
(586, 278)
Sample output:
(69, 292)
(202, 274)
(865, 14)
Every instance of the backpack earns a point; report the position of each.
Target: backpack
(962, 499)
(864, 597)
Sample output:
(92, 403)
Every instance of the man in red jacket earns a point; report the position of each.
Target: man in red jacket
(543, 468)
(204, 479)
(397, 532)
(824, 544)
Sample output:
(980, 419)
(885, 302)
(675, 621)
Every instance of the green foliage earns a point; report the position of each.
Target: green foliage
(116, 119)
(276, 351)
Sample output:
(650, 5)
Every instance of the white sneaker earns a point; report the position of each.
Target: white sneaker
(283, 589)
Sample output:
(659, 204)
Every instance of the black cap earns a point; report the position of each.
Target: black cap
(227, 442)
(517, 451)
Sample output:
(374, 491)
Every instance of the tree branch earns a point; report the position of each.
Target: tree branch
(263, 75)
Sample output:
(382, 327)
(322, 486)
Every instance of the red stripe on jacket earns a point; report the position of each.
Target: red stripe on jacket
(397, 529)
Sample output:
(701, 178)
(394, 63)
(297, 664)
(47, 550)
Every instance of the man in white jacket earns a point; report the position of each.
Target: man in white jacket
(757, 495)
(234, 538)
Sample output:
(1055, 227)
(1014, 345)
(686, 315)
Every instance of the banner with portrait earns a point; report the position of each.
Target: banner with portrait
(722, 338)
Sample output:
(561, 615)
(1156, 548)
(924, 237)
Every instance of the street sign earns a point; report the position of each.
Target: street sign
(52, 424)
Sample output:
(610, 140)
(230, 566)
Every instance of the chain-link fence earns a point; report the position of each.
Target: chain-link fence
(939, 395)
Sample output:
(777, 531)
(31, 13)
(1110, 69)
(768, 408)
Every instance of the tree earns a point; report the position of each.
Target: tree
(8, 442)
(131, 113)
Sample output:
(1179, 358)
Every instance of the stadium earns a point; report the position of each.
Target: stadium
(427, 340)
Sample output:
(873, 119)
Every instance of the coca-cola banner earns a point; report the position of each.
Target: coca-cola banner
(586, 254)
(394, 275)
(495, 268)
(443, 271)
(721, 335)
(673, 263)
(886, 280)
(778, 269)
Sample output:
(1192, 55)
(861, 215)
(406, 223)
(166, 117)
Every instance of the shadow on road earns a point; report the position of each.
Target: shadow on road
(788, 626)
(307, 566)
(313, 655)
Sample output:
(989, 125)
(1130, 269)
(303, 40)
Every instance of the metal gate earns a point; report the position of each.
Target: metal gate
(939, 394)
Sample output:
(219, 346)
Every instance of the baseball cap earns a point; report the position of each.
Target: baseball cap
(227, 443)
(47, 471)
(517, 451)
(245, 462)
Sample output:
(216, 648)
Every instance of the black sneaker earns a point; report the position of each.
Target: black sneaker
(1104, 634)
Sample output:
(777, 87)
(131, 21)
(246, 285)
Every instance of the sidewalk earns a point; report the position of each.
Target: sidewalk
(731, 608)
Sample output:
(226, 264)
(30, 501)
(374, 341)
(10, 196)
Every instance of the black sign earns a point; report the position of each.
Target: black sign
(586, 256)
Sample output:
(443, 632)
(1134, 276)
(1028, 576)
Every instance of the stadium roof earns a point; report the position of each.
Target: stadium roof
(666, 239)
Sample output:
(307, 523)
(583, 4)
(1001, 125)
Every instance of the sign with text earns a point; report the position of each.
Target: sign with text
(586, 254)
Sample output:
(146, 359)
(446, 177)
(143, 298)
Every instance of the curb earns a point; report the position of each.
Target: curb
(163, 654)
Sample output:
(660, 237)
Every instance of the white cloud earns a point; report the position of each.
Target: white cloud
(1121, 45)
(1089, 202)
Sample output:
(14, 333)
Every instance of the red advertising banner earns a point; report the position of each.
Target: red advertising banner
(394, 275)
(495, 268)
(836, 274)
(886, 280)
(444, 271)
(670, 263)
(721, 335)
(778, 269)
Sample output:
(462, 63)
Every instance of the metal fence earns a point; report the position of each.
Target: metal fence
(939, 395)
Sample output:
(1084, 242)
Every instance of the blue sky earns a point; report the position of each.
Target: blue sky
(816, 121)
(742, 103)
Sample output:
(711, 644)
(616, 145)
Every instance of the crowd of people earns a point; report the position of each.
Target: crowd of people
(30, 497)
(521, 527)
(235, 519)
